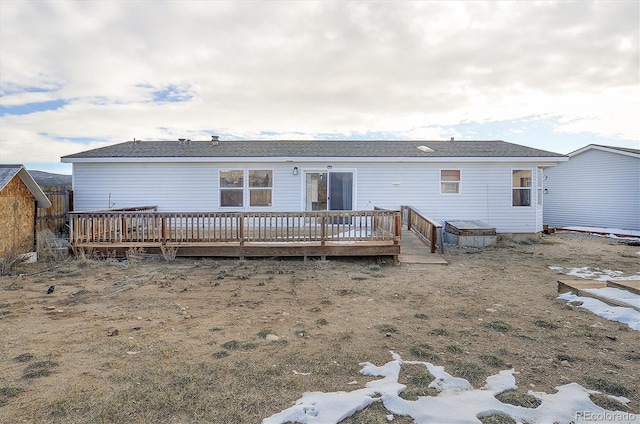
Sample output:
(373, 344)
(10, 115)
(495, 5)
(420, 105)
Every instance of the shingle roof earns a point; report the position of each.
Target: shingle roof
(626, 151)
(7, 172)
(311, 149)
(622, 149)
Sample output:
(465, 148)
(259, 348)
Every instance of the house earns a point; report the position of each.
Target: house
(598, 187)
(496, 182)
(19, 198)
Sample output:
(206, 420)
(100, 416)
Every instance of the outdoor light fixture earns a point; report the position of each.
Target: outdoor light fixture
(295, 170)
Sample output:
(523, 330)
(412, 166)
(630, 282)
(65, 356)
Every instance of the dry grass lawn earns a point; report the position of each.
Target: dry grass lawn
(190, 341)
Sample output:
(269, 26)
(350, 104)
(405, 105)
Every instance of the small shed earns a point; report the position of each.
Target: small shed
(20, 195)
(470, 233)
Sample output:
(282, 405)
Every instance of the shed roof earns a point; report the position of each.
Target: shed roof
(313, 149)
(8, 172)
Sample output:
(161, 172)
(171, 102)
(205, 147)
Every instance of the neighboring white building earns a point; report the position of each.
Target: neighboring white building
(496, 182)
(598, 187)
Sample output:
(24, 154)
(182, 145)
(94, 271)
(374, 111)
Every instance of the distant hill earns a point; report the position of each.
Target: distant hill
(49, 179)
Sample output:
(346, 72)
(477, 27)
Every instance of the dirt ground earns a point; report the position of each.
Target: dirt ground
(192, 340)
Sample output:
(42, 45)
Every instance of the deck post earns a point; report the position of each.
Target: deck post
(323, 236)
(434, 236)
(241, 228)
(72, 234)
(398, 227)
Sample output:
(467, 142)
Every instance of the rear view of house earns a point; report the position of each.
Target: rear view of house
(598, 187)
(19, 198)
(496, 182)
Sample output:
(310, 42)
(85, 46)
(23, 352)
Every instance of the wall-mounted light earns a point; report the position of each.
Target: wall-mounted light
(295, 170)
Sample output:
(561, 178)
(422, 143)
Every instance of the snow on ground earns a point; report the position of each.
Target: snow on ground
(457, 402)
(628, 316)
(619, 295)
(598, 274)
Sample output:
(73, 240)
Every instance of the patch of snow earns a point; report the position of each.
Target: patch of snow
(457, 402)
(618, 295)
(628, 316)
(598, 274)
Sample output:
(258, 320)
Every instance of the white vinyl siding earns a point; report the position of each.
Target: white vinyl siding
(194, 187)
(595, 188)
(486, 196)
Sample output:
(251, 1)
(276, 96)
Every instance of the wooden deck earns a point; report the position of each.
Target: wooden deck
(414, 252)
(306, 234)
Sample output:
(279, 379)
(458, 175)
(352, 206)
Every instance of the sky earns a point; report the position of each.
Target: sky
(77, 75)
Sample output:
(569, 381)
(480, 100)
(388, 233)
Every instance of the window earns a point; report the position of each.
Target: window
(260, 188)
(450, 181)
(521, 183)
(232, 188)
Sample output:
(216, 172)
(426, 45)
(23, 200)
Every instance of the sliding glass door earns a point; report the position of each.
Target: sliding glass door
(329, 191)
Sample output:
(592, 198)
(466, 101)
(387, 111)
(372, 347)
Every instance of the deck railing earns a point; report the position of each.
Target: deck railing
(153, 227)
(429, 230)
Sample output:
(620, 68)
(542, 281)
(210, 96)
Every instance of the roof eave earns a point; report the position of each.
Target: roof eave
(604, 149)
(41, 198)
(334, 159)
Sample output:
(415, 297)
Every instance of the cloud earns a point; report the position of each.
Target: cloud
(405, 69)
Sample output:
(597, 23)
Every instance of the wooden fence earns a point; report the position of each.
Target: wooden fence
(429, 230)
(54, 218)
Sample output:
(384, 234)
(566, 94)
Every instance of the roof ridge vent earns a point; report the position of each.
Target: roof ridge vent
(215, 139)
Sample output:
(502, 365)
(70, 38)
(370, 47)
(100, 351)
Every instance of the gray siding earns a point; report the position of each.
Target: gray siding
(594, 188)
(485, 191)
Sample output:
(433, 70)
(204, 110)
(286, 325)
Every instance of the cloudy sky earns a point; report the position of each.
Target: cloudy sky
(76, 75)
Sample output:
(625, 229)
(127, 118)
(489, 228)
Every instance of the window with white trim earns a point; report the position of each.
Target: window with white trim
(450, 181)
(260, 187)
(236, 188)
(521, 187)
(232, 188)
